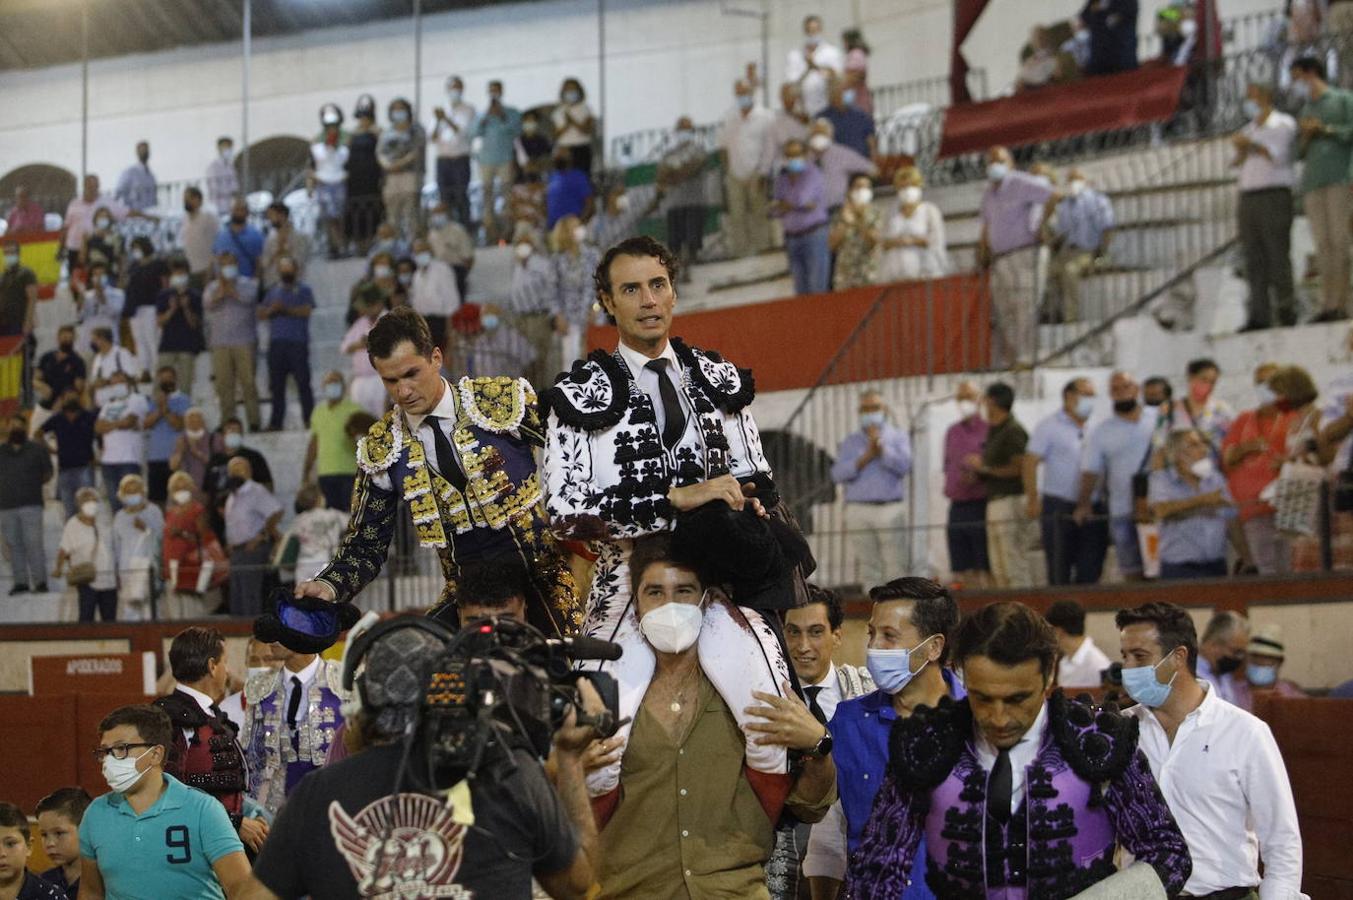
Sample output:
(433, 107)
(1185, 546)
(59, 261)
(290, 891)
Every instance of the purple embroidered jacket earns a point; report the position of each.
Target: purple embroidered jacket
(1088, 791)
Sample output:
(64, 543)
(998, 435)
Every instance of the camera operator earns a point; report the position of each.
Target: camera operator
(348, 831)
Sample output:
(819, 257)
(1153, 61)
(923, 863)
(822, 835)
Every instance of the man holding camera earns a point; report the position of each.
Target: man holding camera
(350, 831)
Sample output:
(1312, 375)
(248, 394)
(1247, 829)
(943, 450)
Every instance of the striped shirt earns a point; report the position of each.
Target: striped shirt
(535, 288)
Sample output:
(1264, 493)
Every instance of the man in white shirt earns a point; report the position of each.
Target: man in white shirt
(1081, 662)
(1221, 652)
(813, 634)
(813, 66)
(433, 294)
(1218, 766)
(197, 234)
(223, 183)
(452, 130)
(109, 359)
(1264, 154)
(120, 425)
(745, 143)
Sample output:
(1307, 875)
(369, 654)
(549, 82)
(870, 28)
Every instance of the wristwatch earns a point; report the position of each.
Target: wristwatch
(822, 748)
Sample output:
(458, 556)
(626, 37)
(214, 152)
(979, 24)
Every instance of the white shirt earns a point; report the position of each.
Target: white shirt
(306, 676)
(1225, 783)
(1081, 669)
(1022, 755)
(647, 380)
(1278, 136)
(117, 359)
(566, 133)
(830, 695)
(747, 139)
(331, 163)
(813, 82)
(904, 263)
(232, 708)
(86, 543)
(125, 445)
(434, 292)
(202, 700)
(454, 142)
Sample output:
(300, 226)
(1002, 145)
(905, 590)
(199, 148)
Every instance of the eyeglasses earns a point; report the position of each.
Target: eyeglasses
(117, 751)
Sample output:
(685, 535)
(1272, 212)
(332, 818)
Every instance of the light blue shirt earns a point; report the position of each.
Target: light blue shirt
(247, 510)
(499, 132)
(166, 851)
(884, 478)
(1196, 538)
(1115, 451)
(1059, 441)
(162, 436)
(1084, 218)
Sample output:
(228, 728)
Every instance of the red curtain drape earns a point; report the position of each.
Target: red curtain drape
(966, 14)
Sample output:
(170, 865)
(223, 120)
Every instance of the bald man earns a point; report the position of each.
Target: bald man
(966, 530)
(872, 464)
(252, 514)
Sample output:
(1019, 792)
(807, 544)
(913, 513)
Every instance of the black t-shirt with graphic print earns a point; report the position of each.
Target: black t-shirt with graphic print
(326, 840)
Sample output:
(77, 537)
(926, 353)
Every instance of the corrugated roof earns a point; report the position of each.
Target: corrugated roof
(39, 33)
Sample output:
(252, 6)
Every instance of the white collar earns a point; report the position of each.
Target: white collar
(637, 361)
(829, 681)
(202, 699)
(306, 675)
(445, 408)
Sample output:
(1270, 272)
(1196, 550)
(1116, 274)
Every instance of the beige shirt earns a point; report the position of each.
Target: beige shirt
(688, 823)
(197, 236)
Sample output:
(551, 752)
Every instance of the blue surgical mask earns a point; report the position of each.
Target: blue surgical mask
(571, 96)
(746, 101)
(489, 321)
(891, 669)
(796, 164)
(1141, 684)
(1084, 407)
(333, 390)
(848, 95)
(1251, 108)
(1301, 90)
(1261, 676)
(872, 420)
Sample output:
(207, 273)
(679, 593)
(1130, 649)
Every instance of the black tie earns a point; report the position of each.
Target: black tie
(813, 706)
(447, 463)
(294, 704)
(674, 420)
(999, 788)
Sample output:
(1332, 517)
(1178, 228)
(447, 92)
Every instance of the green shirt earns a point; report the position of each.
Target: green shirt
(689, 824)
(335, 452)
(1327, 156)
(1004, 442)
(166, 851)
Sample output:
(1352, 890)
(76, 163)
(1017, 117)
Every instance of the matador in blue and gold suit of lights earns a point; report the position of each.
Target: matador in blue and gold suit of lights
(492, 509)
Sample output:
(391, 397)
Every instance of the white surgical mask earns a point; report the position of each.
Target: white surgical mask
(673, 627)
(178, 282)
(233, 441)
(133, 500)
(967, 409)
(118, 391)
(454, 95)
(1077, 185)
(1084, 407)
(1203, 467)
(102, 222)
(911, 195)
(195, 434)
(997, 171)
(183, 498)
(1264, 394)
(229, 273)
(1188, 28)
(381, 271)
(819, 142)
(11, 260)
(622, 202)
(89, 509)
(523, 251)
(1301, 90)
(422, 259)
(137, 254)
(862, 196)
(122, 774)
(580, 234)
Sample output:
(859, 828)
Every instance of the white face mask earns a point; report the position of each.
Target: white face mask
(89, 509)
(334, 390)
(1203, 467)
(622, 202)
(122, 774)
(229, 273)
(178, 282)
(967, 409)
(819, 142)
(862, 196)
(672, 627)
(118, 391)
(1077, 186)
(911, 195)
(422, 259)
(380, 271)
(997, 171)
(195, 434)
(1085, 406)
(580, 234)
(523, 251)
(183, 498)
(133, 500)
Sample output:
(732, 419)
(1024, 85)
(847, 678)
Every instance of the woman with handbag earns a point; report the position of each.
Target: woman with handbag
(86, 556)
(194, 561)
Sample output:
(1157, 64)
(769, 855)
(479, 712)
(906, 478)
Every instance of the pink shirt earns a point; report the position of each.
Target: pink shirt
(963, 439)
(361, 363)
(80, 218)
